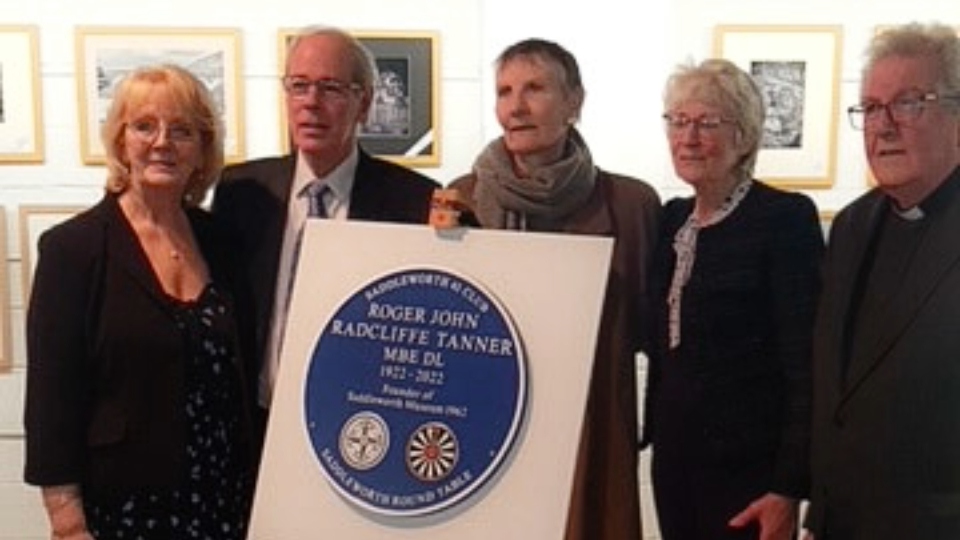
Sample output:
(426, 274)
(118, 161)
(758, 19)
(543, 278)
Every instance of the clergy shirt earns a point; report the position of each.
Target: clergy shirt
(337, 202)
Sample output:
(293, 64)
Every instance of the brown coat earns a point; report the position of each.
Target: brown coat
(605, 502)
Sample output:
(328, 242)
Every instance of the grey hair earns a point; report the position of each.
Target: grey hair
(722, 84)
(364, 70)
(551, 53)
(934, 41)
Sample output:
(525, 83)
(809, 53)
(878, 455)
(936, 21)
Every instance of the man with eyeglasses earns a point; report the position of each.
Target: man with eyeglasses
(886, 423)
(328, 84)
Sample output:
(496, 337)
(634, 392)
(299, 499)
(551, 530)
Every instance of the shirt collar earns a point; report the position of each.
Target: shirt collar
(339, 180)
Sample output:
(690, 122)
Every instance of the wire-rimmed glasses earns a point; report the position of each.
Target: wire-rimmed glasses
(708, 124)
(148, 128)
(327, 89)
(901, 110)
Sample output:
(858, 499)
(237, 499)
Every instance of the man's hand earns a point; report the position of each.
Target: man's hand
(776, 515)
(449, 210)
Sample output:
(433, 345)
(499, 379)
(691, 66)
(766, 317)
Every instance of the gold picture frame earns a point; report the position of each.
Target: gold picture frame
(21, 120)
(6, 347)
(106, 54)
(798, 70)
(33, 221)
(404, 120)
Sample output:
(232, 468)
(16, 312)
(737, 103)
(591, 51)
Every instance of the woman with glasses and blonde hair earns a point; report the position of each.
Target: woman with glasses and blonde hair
(135, 417)
(734, 286)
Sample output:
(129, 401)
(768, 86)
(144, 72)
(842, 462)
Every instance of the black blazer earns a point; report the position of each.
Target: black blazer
(105, 358)
(746, 335)
(886, 438)
(252, 199)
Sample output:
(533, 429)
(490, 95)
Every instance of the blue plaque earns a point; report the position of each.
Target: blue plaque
(415, 393)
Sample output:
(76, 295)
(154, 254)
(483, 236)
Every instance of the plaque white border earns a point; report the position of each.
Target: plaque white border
(553, 290)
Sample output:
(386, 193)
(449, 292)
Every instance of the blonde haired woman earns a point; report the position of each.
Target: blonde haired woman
(135, 417)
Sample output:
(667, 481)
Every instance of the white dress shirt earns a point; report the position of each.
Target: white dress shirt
(337, 203)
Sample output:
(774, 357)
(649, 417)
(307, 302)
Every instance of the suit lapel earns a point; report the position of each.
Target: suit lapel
(848, 245)
(938, 253)
(270, 217)
(124, 251)
(279, 180)
(367, 195)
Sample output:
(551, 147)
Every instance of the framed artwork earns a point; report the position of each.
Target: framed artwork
(21, 137)
(34, 220)
(283, 43)
(403, 123)
(798, 71)
(106, 54)
(6, 349)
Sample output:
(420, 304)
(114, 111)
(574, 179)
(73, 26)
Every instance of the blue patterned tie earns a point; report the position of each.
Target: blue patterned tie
(315, 193)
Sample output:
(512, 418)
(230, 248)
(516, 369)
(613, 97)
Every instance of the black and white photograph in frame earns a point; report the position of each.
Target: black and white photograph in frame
(404, 121)
(21, 122)
(106, 54)
(798, 71)
(783, 86)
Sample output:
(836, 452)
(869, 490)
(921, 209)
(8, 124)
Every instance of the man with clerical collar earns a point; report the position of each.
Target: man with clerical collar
(886, 422)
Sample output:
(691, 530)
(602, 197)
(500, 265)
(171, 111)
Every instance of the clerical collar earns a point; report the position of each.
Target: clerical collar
(935, 202)
(914, 213)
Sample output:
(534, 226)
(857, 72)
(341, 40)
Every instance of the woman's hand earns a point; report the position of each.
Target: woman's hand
(65, 511)
(775, 514)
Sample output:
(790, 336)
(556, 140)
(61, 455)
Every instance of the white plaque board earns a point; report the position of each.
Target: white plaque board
(552, 288)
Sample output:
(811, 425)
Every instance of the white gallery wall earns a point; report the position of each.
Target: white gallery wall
(626, 49)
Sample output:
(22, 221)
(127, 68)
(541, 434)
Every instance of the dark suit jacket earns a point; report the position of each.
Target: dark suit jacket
(605, 503)
(886, 443)
(252, 199)
(105, 357)
(740, 379)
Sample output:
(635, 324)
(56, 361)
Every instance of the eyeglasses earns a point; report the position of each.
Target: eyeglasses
(327, 89)
(677, 123)
(148, 129)
(901, 110)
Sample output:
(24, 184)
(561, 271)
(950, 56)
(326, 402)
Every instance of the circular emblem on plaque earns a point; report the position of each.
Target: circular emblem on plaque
(432, 452)
(424, 356)
(364, 440)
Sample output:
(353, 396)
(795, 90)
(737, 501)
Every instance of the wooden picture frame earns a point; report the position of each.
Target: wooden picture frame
(106, 54)
(6, 347)
(21, 120)
(798, 70)
(33, 221)
(403, 124)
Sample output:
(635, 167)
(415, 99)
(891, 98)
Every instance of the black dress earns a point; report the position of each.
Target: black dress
(212, 501)
(728, 408)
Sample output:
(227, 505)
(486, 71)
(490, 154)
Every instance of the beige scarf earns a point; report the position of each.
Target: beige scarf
(540, 201)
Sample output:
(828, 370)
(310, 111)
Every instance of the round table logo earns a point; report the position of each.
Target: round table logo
(415, 392)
